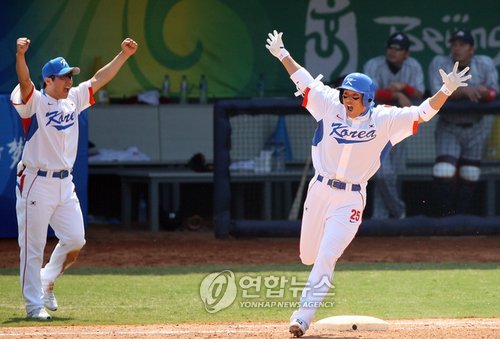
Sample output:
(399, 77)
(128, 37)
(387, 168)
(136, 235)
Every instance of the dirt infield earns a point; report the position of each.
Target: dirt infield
(110, 246)
(421, 328)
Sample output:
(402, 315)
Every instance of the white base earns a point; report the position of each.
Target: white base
(351, 322)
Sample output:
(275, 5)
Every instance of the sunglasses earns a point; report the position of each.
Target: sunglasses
(64, 77)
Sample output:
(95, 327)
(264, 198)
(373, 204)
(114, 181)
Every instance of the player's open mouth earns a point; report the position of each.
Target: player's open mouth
(350, 108)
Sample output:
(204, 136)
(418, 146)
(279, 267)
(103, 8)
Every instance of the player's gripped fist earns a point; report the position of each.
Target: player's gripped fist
(275, 45)
(454, 80)
(22, 45)
(129, 46)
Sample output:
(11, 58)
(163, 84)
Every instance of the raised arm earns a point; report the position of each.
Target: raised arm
(22, 70)
(451, 82)
(277, 48)
(109, 71)
(298, 74)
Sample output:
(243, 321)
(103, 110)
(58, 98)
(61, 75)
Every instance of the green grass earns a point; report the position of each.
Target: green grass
(171, 294)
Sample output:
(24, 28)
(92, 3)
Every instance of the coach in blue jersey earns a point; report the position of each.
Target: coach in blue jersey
(460, 138)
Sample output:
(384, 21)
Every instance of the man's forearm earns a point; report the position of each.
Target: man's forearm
(109, 71)
(23, 75)
(22, 70)
(290, 65)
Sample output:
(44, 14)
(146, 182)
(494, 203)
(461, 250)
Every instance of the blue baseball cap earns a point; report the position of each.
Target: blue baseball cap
(58, 66)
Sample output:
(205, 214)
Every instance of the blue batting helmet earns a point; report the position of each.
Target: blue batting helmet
(361, 83)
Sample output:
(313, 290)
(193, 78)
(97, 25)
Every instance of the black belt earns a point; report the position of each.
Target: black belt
(61, 174)
(339, 184)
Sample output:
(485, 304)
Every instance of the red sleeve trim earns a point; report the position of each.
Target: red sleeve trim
(91, 96)
(21, 184)
(491, 95)
(415, 127)
(383, 94)
(409, 91)
(26, 122)
(29, 96)
(306, 97)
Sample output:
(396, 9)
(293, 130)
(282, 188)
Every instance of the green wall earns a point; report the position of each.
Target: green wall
(225, 39)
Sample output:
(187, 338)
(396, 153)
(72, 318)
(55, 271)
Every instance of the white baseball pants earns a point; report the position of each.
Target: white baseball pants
(42, 201)
(330, 221)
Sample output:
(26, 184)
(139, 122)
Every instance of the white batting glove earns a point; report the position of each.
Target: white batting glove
(275, 45)
(454, 80)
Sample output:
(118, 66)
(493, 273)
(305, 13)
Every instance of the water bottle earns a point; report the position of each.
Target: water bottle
(102, 96)
(279, 157)
(165, 88)
(261, 85)
(203, 89)
(142, 210)
(183, 99)
(172, 220)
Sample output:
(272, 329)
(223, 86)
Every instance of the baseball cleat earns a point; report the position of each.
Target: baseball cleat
(50, 301)
(297, 328)
(39, 314)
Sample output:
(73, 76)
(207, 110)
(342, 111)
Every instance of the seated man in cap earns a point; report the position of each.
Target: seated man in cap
(398, 79)
(460, 137)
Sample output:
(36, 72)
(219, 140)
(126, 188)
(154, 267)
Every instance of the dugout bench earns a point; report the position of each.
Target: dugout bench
(276, 188)
(273, 184)
(170, 181)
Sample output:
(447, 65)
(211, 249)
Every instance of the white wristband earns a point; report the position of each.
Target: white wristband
(445, 90)
(283, 54)
(426, 111)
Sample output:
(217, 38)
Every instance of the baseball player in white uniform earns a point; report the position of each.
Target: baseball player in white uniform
(45, 191)
(460, 137)
(398, 79)
(350, 136)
